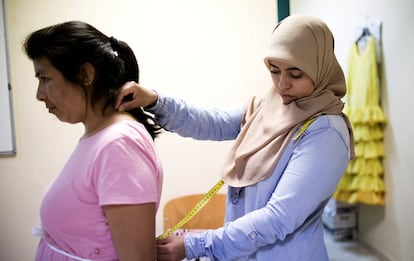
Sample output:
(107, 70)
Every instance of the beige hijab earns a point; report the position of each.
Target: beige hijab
(268, 125)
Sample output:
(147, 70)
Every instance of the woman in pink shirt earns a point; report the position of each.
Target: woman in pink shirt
(102, 205)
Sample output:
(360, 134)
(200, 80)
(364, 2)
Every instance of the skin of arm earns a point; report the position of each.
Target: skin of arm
(133, 95)
(133, 230)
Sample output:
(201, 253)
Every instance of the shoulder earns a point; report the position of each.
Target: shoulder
(127, 129)
(329, 135)
(121, 134)
(334, 124)
(126, 143)
(329, 121)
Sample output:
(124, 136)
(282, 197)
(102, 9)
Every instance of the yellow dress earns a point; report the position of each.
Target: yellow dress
(363, 181)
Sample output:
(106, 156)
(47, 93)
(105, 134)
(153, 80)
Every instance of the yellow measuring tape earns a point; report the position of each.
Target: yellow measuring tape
(194, 210)
(304, 127)
(213, 191)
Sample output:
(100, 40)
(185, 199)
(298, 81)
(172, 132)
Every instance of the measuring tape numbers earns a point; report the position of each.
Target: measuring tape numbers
(194, 210)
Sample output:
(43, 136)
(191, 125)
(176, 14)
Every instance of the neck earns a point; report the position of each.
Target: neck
(96, 121)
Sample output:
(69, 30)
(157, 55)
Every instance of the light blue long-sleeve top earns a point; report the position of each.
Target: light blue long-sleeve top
(278, 218)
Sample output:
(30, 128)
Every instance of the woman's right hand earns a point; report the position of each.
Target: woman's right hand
(132, 95)
(171, 249)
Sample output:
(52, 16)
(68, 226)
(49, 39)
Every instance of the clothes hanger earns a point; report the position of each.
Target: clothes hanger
(365, 33)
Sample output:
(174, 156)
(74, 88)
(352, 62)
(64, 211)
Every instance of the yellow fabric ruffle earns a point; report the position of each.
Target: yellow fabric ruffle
(363, 181)
(366, 197)
(365, 167)
(369, 150)
(367, 115)
(367, 132)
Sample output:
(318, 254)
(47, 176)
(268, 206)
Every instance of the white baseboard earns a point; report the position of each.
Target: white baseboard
(375, 251)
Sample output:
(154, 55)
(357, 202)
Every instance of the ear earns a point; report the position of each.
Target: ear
(87, 74)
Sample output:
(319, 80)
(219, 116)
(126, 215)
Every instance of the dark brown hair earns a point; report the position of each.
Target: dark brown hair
(71, 44)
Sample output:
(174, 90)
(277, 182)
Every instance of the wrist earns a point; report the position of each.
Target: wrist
(153, 101)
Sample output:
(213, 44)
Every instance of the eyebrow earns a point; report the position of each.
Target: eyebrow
(38, 73)
(287, 69)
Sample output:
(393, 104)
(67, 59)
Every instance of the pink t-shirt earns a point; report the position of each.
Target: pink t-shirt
(118, 165)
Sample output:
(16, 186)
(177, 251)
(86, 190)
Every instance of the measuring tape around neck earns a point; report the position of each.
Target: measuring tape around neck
(194, 210)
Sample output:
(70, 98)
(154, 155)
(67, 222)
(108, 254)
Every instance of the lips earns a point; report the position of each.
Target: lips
(50, 108)
(286, 96)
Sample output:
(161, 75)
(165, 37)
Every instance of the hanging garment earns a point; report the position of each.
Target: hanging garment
(363, 180)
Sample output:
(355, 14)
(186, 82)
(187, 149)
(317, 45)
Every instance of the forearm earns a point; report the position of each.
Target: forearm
(188, 120)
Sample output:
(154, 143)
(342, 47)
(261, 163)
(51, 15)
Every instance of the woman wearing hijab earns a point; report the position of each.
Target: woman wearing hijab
(291, 148)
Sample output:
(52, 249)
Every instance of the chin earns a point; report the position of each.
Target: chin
(286, 102)
(62, 119)
(286, 99)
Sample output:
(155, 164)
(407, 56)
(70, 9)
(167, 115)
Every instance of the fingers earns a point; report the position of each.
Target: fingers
(126, 105)
(127, 89)
(164, 251)
(133, 95)
(163, 241)
(171, 249)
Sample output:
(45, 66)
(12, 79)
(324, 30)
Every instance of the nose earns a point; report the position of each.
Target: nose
(283, 82)
(40, 94)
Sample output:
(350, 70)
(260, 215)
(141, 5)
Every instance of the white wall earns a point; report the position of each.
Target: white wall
(389, 229)
(208, 51)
